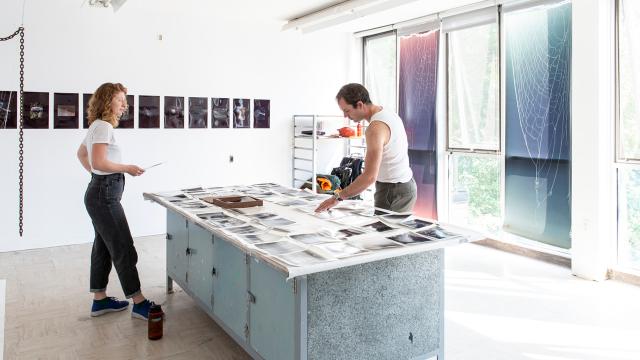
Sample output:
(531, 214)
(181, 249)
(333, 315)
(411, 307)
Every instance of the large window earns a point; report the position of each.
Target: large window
(380, 69)
(628, 134)
(505, 115)
(473, 119)
(537, 123)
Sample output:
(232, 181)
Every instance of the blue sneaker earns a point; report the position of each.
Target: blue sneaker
(141, 310)
(109, 304)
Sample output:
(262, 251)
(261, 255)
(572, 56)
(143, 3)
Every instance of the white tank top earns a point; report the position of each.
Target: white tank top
(101, 132)
(394, 167)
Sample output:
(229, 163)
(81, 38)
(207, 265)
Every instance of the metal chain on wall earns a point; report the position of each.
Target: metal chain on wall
(21, 132)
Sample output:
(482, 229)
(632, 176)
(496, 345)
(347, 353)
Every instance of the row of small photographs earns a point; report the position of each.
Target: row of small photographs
(200, 110)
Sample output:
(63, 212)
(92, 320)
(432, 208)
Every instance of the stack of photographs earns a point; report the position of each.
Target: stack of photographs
(377, 226)
(226, 222)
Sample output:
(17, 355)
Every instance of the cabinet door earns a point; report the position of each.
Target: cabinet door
(272, 313)
(177, 240)
(230, 286)
(200, 263)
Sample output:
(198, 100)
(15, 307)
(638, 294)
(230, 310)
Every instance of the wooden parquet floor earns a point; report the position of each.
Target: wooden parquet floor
(48, 305)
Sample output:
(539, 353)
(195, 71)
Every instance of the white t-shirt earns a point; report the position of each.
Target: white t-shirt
(394, 167)
(101, 132)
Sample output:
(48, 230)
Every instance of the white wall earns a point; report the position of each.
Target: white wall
(206, 51)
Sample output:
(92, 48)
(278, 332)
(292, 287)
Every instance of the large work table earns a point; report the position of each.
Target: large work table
(375, 302)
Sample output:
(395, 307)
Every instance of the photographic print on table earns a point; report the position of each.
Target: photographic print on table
(341, 249)
(302, 258)
(313, 238)
(219, 112)
(437, 233)
(148, 112)
(409, 238)
(126, 120)
(261, 114)
(378, 226)
(65, 111)
(8, 109)
(36, 110)
(374, 243)
(85, 112)
(173, 112)
(260, 238)
(416, 223)
(198, 112)
(280, 247)
(241, 113)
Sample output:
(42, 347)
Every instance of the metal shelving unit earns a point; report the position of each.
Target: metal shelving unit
(305, 147)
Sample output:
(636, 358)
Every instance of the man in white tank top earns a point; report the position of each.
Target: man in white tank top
(387, 157)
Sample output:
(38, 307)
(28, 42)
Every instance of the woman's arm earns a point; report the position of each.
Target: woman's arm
(101, 163)
(83, 156)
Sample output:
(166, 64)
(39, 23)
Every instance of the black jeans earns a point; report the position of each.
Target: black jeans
(113, 241)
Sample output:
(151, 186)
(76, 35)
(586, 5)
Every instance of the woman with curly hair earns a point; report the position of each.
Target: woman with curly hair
(100, 155)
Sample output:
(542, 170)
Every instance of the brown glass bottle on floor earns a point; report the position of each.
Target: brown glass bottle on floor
(155, 322)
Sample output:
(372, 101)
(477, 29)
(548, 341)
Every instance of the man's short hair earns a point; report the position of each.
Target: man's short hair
(352, 93)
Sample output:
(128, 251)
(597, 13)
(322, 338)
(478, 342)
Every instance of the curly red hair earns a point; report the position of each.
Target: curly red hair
(100, 103)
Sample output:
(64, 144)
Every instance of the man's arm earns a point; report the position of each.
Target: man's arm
(376, 135)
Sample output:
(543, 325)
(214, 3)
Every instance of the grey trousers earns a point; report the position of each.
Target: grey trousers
(398, 197)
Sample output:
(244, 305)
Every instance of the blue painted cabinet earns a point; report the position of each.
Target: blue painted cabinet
(271, 312)
(230, 286)
(177, 243)
(201, 269)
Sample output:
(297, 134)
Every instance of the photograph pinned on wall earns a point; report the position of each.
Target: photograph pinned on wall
(313, 238)
(198, 112)
(241, 113)
(173, 112)
(36, 110)
(219, 113)
(415, 223)
(264, 237)
(148, 112)
(280, 247)
(261, 114)
(8, 110)
(85, 113)
(65, 111)
(409, 238)
(373, 244)
(126, 120)
(302, 258)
